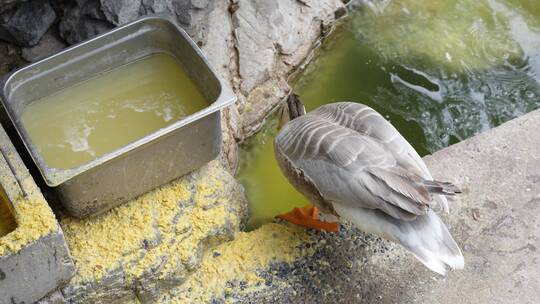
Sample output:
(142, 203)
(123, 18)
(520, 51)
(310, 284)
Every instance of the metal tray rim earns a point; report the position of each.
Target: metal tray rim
(54, 176)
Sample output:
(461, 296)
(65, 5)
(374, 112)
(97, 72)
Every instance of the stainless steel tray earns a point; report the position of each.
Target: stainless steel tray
(141, 165)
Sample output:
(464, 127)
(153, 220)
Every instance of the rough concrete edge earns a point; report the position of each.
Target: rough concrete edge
(21, 189)
(19, 186)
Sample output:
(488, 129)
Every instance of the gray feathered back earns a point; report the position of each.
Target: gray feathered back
(358, 162)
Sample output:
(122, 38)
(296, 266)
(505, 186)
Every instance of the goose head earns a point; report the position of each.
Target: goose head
(291, 109)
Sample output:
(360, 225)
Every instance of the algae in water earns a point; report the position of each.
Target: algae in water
(440, 71)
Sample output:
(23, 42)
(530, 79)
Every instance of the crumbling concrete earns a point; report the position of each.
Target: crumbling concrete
(34, 259)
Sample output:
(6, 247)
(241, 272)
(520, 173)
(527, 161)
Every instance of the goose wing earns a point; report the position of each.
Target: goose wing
(365, 120)
(351, 168)
(372, 176)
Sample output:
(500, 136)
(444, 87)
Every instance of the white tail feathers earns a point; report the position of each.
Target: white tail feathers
(443, 202)
(426, 237)
(430, 242)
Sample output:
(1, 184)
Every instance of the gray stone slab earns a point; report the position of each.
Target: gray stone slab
(34, 259)
(497, 219)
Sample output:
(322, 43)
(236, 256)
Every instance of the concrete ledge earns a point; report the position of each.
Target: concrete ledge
(34, 259)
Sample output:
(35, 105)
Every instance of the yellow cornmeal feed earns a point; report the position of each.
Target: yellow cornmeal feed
(100, 244)
(181, 215)
(31, 213)
(34, 220)
(119, 237)
(240, 260)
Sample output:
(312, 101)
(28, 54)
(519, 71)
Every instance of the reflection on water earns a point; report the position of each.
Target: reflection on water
(453, 67)
(440, 71)
(268, 191)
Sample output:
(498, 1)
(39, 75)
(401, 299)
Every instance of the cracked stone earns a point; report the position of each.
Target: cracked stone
(49, 45)
(81, 20)
(26, 22)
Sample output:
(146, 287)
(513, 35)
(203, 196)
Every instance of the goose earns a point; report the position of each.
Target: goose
(350, 162)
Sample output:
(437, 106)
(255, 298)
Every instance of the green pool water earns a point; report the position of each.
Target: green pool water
(440, 71)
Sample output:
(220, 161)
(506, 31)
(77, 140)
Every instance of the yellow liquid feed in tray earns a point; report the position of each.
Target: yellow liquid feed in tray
(7, 222)
(104, 113)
